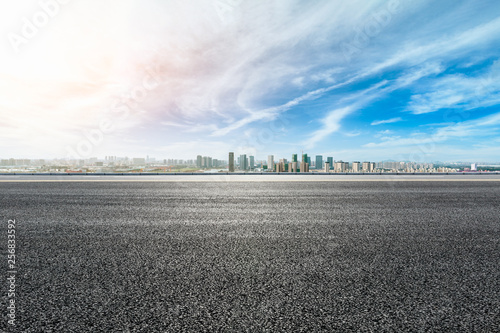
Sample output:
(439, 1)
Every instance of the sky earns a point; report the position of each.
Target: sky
(355, 80)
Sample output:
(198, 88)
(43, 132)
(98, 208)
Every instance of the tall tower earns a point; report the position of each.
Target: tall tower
(243, 162)
(252, 162)
(319, 162)
(304, 166)
(231, 162)
(270, 162)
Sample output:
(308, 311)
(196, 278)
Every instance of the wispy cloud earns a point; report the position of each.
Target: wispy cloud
(386, 121)
(459, 90)
(331, 123)
(219, 75)
(485, 126)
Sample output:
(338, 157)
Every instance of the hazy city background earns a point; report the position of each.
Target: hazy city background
(241, 163)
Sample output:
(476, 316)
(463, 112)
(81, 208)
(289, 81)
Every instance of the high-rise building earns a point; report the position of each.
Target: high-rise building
(135, 161)
(294, 158)
(327, 167)
(280, 167)
(270, 162)
(292, 167)
(304, 165)
(366, 166)
(339, 166)
(356, 167)
(252, 162)
(231, 162)
(243, 162)
(319, 162)
(330, 161)
(473, 167)
(372, 166)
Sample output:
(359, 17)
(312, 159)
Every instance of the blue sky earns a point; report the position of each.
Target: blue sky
(356, 80)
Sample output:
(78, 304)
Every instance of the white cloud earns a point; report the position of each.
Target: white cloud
(218, 72)
(482, 127)
(459, 91)
(386, 121)
(331, 123)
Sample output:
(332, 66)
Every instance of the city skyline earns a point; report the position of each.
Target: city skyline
(351, 80)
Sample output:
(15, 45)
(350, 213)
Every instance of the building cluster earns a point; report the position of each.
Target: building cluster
(207, 162)
(241, 163)
(244, 164)
(318, 164)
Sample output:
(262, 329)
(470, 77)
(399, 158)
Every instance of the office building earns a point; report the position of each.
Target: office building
(280, 167)
(199, 161)
(327, 167)
(356, 167)
(294, 158)
(339, 166)
(135, 161)
(319, 162)
(330, 161)
(243, 162)
(304, 165)
(270, 162)
(252, 162)
(366, 166)
(231, 162)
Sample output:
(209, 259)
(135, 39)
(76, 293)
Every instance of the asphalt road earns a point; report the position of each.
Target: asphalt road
(254, 256)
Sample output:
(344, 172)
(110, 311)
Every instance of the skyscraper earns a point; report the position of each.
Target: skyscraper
(304, 165)
(356, 167)
(270, 162)
(294, 157)
(243, 162)
(330, 160)
(341, 166)
(327, 167)
(252, 162)
(319, 162)
(199, 161)
(231, 162)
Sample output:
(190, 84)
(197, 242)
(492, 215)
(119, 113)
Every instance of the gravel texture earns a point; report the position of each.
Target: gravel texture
(254, 256)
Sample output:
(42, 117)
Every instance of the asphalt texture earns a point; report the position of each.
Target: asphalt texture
(254, 256)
